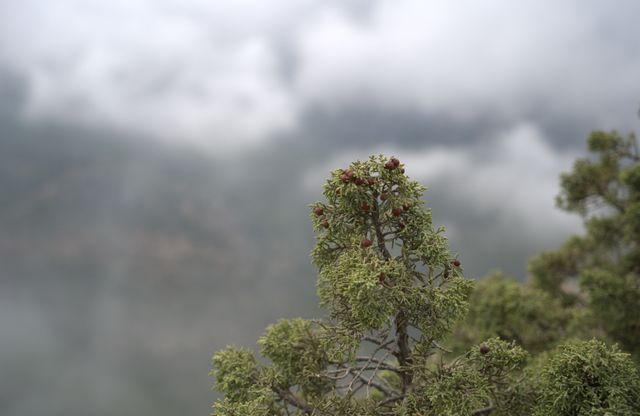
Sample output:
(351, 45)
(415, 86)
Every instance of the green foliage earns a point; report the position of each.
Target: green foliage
(235, 373)
(295, 350)
(502, 307)
(472, 382)
(589, 378)
(364, 286)
(601, 270)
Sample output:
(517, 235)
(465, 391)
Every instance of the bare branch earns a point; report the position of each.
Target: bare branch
(485, 411)
(288, 397)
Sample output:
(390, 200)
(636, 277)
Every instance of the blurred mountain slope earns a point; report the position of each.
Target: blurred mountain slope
(124, 262)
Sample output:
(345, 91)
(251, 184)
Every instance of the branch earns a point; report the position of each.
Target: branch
(379, 236)
(288, 397)
(370, 382)
(440, 347)
(368, 366)
(404, 353)
(391, 400)
(381, 343)
(485, 411)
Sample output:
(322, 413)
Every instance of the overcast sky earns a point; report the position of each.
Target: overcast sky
(486, 103)
(494, 96)
(234, 74)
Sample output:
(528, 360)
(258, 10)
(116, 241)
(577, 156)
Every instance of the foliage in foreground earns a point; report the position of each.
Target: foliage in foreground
(395, 293)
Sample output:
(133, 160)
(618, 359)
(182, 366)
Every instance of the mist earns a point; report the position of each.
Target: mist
(157, 160)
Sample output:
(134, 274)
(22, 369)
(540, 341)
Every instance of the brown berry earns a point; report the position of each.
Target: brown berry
(397, 211)
(365, 207)
(395, 162)
(318, 211)
(383, 196)
(381, 277)
(359, 181)
(370, 180)
(344, 178)
(446, 274)
(325, 224)
(456, 263)
(389, 165)
(349, 173)
(484, 349)
(402, 170)
(366, 243)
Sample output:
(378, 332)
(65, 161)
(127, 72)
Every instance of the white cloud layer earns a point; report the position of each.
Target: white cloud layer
(145, 68)
(232, 74)
(469, 59)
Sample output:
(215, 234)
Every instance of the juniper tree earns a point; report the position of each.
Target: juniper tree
(393, 291)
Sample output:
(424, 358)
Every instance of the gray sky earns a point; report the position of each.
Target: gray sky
(232, 75)
(477, 89)
(485, 102)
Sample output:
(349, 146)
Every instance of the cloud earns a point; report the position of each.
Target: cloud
(147, 69)
(476, 59)
(516, 176)
(512, 179)
(235, 74)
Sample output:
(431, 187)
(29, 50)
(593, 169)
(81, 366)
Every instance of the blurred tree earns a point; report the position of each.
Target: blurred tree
(601, 270)
(502, 307)
(588, 378)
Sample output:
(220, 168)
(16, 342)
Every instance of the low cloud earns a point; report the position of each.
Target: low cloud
(149, 71)
(234, 75)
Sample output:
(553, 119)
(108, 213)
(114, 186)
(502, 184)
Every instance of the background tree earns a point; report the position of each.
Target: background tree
(600, 271)
(588, 378)
(502, 307)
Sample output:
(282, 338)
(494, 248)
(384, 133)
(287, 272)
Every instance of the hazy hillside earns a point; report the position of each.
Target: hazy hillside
(122, 262)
